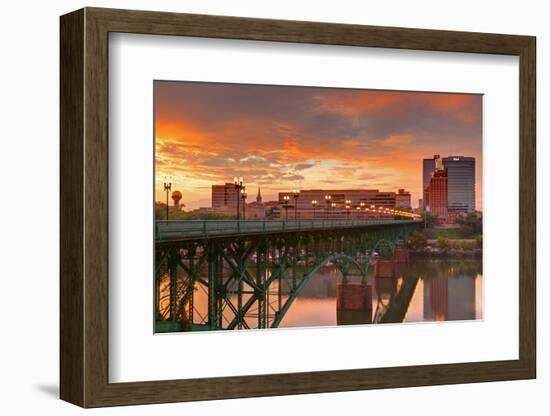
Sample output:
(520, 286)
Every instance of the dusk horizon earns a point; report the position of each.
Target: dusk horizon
(280, 138)
(338, 235)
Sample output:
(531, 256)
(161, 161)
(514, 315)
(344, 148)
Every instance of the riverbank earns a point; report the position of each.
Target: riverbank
(429, 251)
(445, 242)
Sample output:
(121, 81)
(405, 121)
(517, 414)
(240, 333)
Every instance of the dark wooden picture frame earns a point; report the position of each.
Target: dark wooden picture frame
(84, 207)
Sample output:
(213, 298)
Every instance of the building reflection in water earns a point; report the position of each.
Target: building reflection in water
(450, 298)
(425, 290)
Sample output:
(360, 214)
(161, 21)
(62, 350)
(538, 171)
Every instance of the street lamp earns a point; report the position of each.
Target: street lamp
(243, 196)
(167, 188)
(362, 207)
(238, 182)
(286, 200)
(333, 205)
(314, 205)
(348, 206)
(327, 200)
(296, 195)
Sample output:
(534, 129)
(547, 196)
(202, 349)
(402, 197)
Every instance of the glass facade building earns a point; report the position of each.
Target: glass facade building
(428, 166)
(461, 172)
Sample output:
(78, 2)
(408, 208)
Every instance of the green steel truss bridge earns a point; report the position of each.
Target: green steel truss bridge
(247, 274)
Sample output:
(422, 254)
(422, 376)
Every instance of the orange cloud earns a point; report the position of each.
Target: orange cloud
(308, 138)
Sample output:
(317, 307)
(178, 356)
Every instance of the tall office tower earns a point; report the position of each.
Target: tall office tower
(461, 172)
(428, 166)
(403, 199)
(224, 196)
(437, 191)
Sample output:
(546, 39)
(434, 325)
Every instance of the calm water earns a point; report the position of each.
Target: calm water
(445, 290)
(425, 290)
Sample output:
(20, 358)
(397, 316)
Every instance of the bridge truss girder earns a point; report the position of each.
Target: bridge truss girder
(252, 281)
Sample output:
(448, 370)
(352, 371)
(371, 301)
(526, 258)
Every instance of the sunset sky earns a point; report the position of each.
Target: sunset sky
(280, 138)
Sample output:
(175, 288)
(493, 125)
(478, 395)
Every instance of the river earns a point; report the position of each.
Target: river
(439, 289)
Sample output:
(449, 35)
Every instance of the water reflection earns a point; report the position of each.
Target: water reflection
(424, 290)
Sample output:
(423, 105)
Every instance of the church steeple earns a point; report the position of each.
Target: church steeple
(259, 196)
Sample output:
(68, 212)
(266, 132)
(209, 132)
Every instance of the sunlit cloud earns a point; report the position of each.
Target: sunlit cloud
(285, 137)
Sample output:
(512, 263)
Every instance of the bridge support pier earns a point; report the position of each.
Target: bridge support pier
(384, 268)
(353, 303)
(401, 255)
(212, 288)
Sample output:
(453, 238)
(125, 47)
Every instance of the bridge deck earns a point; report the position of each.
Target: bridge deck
(193, 229)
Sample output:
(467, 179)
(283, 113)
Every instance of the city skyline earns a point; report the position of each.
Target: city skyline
(280, 138)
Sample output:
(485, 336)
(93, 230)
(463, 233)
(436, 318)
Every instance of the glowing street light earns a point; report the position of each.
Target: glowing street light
(314, 205)
(238, 183)
(286, 205)
(244, 194)
(167, 188)
(328, 198)
(296, 195)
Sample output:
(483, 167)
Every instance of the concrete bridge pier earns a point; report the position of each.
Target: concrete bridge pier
(353, 303)
(384, 268)
(393, 267)
(401, 255)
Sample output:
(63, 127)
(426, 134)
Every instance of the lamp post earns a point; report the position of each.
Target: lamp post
(296, 195)
(327, 200)
(361, 208)
(426, 211)
(167, 188)
(358, 209)
(286, 199)
(348, 206)
(314, 205)
(238, 182)
(333, 205)
(243, 196)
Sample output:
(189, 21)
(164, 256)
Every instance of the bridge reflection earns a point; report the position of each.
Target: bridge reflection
(251, 273)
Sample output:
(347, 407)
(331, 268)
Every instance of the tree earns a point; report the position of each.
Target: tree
(418, 240)
(443, 243)
(429, 219)
(178, 214)
(471, 223)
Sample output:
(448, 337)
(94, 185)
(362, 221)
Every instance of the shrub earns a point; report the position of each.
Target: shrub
(444, 243)
(417, 240)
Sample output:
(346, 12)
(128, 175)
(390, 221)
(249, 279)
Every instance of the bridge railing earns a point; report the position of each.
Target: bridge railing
(184, 229)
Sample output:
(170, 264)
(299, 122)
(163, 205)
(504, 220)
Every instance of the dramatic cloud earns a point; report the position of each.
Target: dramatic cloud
(285, 137)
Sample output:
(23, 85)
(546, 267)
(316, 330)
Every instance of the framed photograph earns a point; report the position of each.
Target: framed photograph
(255, 207)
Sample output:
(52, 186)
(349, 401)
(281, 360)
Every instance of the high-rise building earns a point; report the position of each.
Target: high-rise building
(340, 196)
(224, 196)
(428, 166)
(461, 172)
(403, 199)
(461, 181)
(437, 192)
